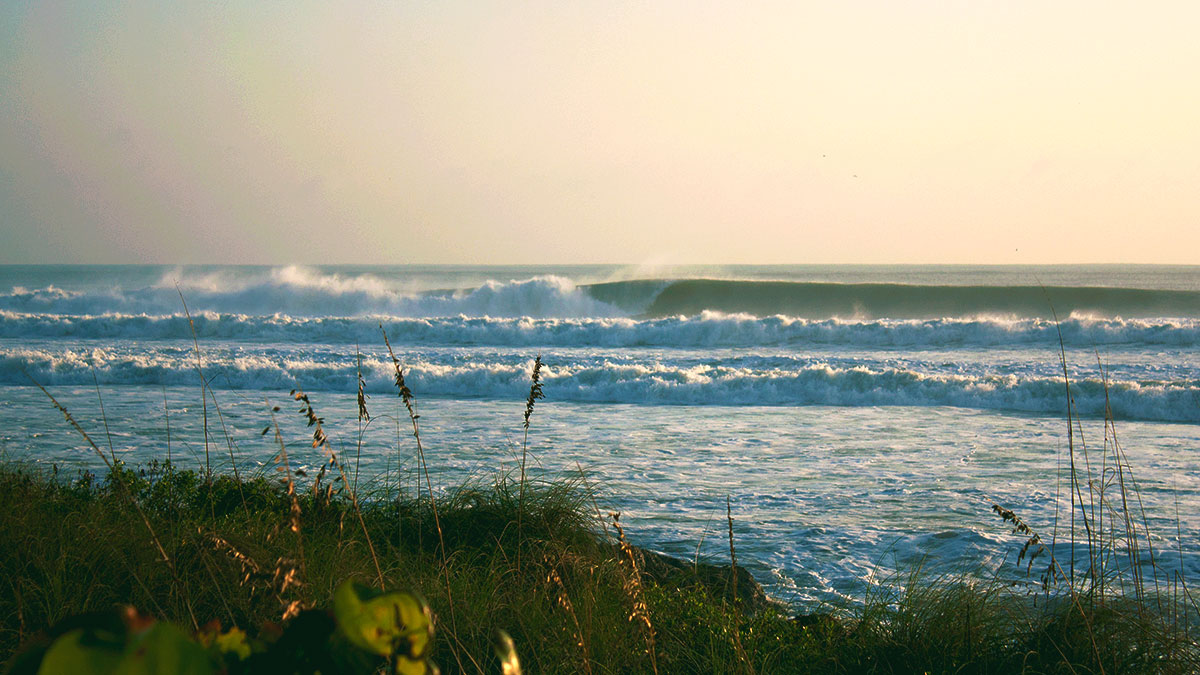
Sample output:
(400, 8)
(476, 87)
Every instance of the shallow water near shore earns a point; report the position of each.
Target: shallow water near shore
(850, 447)
(824, 498)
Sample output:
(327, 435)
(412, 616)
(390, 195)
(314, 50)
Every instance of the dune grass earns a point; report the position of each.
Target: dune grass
(70, 545)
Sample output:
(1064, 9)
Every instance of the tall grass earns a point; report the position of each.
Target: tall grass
(1107, 609)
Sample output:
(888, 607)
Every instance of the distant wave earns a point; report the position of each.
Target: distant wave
(709, 329)
(300, 292)
(619, 382)
(898, 301)
(303, 292)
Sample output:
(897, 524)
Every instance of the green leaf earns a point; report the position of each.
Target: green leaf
(163, 648)
(233, 641)
(82, 652)
(389, 624)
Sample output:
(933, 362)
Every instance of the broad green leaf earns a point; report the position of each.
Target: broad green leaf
(388, 624)
(162, 648)
(82, 652)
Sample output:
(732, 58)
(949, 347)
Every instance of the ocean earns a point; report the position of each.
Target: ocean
(860, 420)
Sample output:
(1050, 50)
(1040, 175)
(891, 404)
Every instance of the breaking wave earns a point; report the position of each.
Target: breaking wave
(708, 329)
(608, 381)
(303, 292)
(300, 292)
(902, 301)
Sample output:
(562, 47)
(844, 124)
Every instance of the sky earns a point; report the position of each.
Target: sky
(955, 131)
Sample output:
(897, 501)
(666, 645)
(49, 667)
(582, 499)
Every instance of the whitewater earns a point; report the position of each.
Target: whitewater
(861, 419)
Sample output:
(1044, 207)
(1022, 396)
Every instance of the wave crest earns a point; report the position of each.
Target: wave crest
(709, 329)
(612, 381)
(304, 292)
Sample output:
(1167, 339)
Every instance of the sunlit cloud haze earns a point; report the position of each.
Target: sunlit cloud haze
(475, 132)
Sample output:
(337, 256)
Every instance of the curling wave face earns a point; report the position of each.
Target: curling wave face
(303, 292)
(906, 301)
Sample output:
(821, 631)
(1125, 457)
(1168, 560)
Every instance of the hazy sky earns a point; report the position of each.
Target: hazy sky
(965, 131)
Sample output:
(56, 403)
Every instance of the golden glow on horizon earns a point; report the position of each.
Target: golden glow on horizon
(979, 132)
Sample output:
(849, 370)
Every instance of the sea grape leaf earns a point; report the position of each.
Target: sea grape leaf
(391, 624)
(82, 652)
(163, 648)
(101, 632)
(160, 648)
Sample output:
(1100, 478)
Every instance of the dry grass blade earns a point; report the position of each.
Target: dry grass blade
(535, 389)
(206, 393)
(281, 565)
(535, 392)
(203, 382)
(103, 415)
(733, 575)
(1076, 492)
(1076, 495)
(640, 612)
(363, 414)
(564, 601)
(320, 441)
(1034, 543)
(406, 396)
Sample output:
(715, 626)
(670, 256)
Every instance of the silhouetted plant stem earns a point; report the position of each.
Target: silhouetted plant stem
(203, 385)
(406, 396)
(320, 441)
(535, 392)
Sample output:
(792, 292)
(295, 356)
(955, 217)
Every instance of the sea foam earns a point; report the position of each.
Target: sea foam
(300, 292)
(603, 380)
(708, 329)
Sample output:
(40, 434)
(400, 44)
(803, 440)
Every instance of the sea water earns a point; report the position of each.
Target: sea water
(860, 420)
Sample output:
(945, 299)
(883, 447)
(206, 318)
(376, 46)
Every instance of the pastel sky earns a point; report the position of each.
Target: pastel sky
(956, 131)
